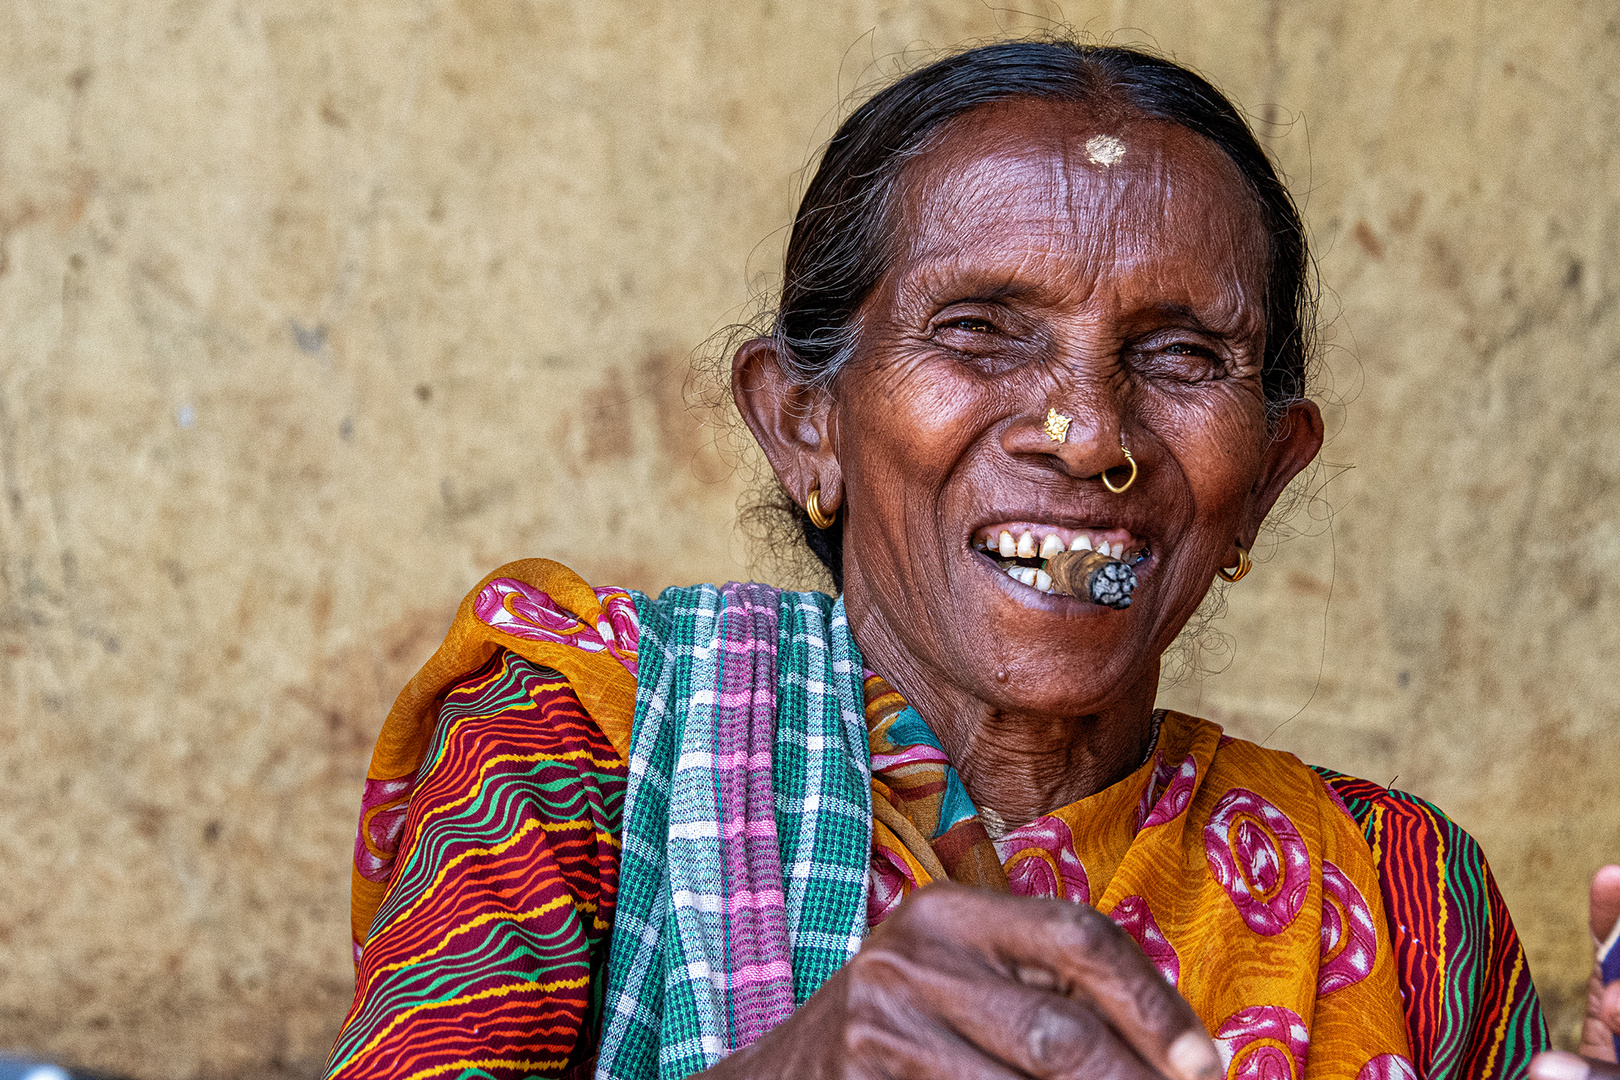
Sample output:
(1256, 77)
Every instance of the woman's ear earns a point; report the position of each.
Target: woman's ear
(1295, 442)
(793, 423)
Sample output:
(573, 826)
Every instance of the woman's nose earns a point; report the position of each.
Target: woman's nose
(1082, 442)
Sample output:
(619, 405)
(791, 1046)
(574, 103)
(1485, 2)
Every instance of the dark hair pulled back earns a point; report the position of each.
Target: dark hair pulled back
(839, 248)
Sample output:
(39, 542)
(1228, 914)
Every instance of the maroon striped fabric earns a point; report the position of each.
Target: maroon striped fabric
(491, 944)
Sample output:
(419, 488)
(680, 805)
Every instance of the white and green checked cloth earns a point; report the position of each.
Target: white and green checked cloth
(747, 825)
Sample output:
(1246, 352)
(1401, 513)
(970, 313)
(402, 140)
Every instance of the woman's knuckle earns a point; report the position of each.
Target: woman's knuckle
(1056, 1039)
(874, 974)
(872, 1050)
(1159, 1008)
(1089, 930)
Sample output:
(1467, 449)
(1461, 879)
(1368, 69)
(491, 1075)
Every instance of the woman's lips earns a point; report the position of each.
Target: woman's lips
(1019, 548)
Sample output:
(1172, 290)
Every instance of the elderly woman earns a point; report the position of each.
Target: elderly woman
(1039, 298)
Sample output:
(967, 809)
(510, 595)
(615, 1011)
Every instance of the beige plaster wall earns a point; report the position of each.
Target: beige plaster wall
(312, 313)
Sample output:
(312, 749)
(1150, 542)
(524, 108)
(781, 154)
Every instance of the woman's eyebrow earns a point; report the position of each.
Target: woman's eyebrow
(1189, 317)
(969, 286)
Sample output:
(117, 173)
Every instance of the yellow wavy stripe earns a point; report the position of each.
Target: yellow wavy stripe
(495, 676)
(576, 824)
(1507, 1014)
(494, 991)
(472, 924)
(483, 775)
(438, 879)
(404, 854)
(1444, 902)
(569, 755)
(550, 905)
(491, 1063)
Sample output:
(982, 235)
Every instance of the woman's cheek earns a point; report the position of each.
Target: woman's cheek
(926, 420)
(1218, 442)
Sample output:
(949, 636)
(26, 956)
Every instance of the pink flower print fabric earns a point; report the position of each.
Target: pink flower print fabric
(1349, 935)
(1259, 858)
(519, 609)
(1263, 1042)
(1387, 1067)
(1133, 916)
(1040, 861)
(1177, 786)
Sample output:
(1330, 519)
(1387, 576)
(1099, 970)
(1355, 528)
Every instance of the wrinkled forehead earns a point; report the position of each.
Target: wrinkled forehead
(1055, 187)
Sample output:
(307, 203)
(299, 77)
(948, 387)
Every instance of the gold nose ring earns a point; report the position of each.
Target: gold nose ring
(1129, 481)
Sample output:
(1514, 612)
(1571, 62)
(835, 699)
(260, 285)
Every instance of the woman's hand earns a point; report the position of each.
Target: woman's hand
(1602, 1023)
(966, 983)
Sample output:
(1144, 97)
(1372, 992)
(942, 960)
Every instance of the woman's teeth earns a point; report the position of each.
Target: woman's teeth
(1035, 579)
(1028, 546)
(1005, 547)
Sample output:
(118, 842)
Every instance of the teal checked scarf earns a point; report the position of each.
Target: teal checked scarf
(747, 825)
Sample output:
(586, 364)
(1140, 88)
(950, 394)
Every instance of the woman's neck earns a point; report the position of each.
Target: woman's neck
(1020, 765)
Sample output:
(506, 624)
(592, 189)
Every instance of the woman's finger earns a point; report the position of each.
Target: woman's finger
(1605, 901)
(1600, 1032)
(1557, 1065)
(1083, 955)
(1033, 1029)
(881, 1051)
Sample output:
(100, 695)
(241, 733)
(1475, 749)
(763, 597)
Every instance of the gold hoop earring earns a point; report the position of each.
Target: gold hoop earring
(1245, 564)
(1127, 484)
(819, 517)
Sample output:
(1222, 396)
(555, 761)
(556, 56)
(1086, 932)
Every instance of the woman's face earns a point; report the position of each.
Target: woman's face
(1112, 271)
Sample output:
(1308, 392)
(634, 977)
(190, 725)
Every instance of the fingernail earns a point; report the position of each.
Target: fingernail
(1559, 1066)
(1193, 1056)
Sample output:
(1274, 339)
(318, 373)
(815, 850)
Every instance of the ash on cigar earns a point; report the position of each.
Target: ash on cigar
(1093, 577)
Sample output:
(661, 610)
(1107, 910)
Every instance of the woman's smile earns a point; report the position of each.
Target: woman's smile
(1023, 559)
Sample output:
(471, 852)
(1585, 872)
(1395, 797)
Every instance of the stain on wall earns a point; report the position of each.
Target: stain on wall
(312, 314)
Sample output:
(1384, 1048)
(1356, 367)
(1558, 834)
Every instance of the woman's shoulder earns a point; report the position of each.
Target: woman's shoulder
(1389, 816)
(1426, 861)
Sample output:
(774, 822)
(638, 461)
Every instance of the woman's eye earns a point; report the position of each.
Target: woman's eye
(1182, 360)
(1184, 349)
(970, 324)
(989, 346)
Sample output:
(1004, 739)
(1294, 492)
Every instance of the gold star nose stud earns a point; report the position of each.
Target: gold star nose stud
(1057, 425)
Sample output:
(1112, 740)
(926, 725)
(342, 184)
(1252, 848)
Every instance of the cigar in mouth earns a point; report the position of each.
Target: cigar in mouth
(1093, 577)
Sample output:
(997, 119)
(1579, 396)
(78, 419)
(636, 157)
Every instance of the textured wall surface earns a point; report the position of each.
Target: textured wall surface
(312, 313)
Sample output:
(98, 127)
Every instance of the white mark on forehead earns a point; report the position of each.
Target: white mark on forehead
(1105, 150)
